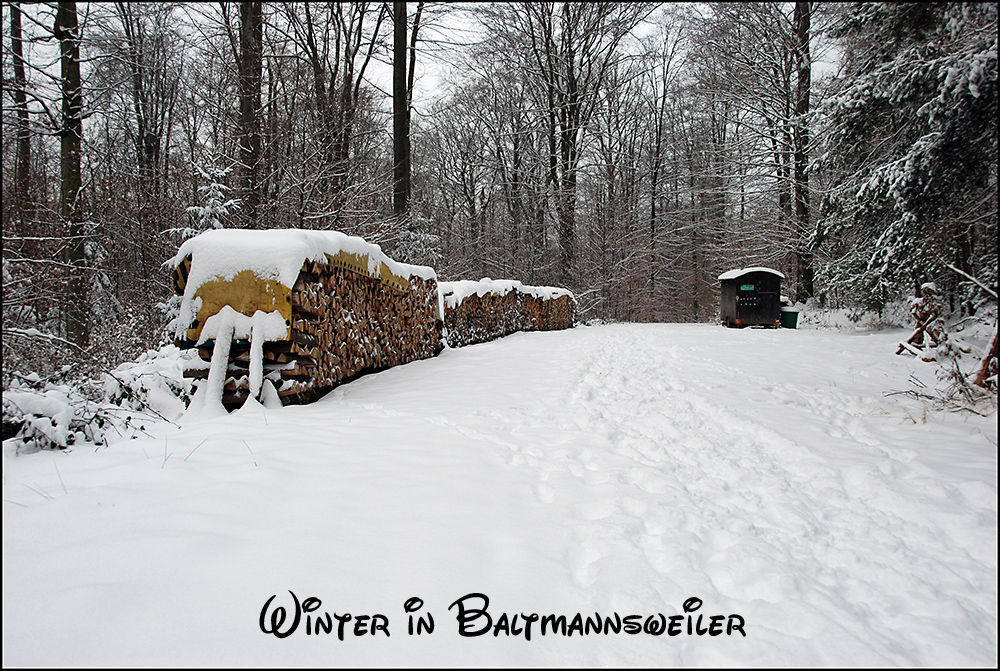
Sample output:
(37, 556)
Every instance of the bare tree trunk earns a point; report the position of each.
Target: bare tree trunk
(22, 176)
(570, 124)
(803, 254)
(653, 196)
(400, 115)
(146, 143)
(566, 197)
(413, 59)
(250, 68)
(654, 188)
(70, 201)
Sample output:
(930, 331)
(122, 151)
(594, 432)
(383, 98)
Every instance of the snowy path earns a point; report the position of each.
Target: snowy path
(618, 469)
(820, 533)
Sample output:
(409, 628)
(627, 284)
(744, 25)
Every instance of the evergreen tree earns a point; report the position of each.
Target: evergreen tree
(912, 147)
(217, 206)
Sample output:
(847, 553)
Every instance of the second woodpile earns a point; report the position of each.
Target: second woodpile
(476, 312)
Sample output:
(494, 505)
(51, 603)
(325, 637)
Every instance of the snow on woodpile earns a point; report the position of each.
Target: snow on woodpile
(489, 309)
(294, 313)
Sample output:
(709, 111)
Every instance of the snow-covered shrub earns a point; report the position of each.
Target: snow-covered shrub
(49, 416)
(417, 248)
(105, 309)
(154, 382)
(894, 314)
(958, 357)
(39, 414)
(170, 309)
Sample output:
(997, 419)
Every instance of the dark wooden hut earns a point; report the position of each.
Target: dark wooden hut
(751, 297)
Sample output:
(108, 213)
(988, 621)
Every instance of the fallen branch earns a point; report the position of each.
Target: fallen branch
(974, 280)
(910, 392)
(35, 333)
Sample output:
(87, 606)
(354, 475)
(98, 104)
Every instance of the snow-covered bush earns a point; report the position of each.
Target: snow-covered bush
(154, 382)
(39, 414)
(417, 248)
(894, 314)
(958, 354)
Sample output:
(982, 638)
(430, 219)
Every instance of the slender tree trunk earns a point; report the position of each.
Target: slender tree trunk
(272, 155)
(653, 195)
(70, 196)
(804, 64)
(400, 115)
(413, 62)
(146, 142)
(343, 136)
(22, 171)
(569, 118)
(695, 264)
(250, 69)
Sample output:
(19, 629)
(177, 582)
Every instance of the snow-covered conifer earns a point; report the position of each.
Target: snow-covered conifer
(216, 206)
(912, 146)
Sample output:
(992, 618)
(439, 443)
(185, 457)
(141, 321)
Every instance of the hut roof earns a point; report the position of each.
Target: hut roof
(733, 274)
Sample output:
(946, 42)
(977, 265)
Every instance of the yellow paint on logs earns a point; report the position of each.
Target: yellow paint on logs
(246, 293)
(180, 275)
(358, 263)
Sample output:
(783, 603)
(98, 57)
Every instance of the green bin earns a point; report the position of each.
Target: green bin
(789, 318)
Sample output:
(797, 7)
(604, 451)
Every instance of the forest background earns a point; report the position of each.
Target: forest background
(628, 151)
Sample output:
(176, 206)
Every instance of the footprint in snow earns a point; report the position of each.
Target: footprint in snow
(545, 493)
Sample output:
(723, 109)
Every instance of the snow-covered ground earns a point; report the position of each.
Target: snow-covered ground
(613, 469)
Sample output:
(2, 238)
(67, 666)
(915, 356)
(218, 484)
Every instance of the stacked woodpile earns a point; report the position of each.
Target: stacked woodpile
(343, 324)
(550, 314)
(343, 320)
(481, 311)
(288, 315)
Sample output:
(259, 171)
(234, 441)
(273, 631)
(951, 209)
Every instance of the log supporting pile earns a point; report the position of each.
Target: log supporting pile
(481, 311)
(343, 322)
